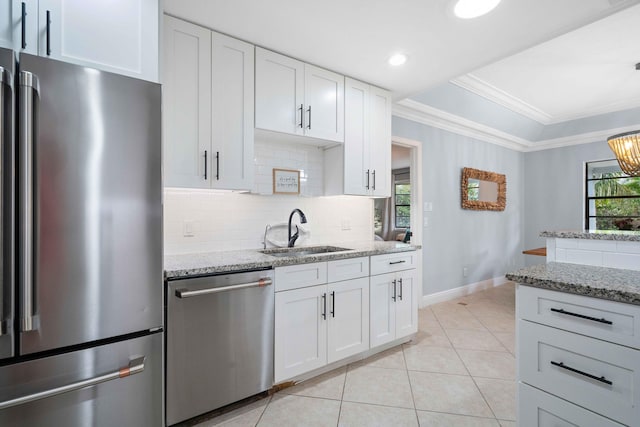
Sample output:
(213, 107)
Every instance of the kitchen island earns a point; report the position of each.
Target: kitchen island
(578, 331)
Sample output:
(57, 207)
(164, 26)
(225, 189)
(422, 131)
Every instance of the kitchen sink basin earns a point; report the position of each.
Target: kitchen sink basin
(303, 251)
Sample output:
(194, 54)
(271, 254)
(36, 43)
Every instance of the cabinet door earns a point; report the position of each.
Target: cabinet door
(300, 331)
(232, 109)
(406, 304)
(382, 308)
(186, 104)
(279, 93)
(17, 33)
(356, 138)
(348, 316)
(380, 117)
(324, 103)
(120, 36)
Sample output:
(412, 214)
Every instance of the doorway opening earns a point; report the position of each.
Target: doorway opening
(398, 218)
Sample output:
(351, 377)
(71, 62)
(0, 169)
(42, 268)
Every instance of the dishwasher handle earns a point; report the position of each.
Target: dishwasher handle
(184, 293)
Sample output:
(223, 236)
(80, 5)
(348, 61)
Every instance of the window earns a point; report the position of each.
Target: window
(402, 197)
(612, 197)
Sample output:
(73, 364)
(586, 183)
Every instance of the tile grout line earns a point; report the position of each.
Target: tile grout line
(344, 385)
(406, 366)
(263, 411)
(467, 369)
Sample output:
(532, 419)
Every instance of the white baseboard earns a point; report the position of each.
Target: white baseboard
(450, 294)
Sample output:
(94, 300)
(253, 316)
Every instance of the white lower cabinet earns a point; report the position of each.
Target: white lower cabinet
(319, 325)
(300, 331)
(348, 318)
(539, 409)
(329, 311)
(572, 371)
(394, 306)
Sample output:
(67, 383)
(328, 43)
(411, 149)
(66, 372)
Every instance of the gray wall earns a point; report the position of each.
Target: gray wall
(554, 190)
(489, 244)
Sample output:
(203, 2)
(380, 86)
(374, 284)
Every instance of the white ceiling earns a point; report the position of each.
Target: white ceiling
(356, 37)
(585, 72)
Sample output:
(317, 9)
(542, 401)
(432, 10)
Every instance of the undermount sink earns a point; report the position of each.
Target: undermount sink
(299, 252)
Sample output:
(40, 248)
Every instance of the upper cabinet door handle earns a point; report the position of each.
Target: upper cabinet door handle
(374, 179)
(24, 25)
(309, 123)
(301, 116)
(48, 33)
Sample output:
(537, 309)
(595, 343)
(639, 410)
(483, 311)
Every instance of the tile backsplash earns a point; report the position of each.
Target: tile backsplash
(203, 221)
(229, 221)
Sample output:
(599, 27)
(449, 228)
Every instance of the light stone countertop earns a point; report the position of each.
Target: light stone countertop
(629, 236)
(598, 282)
(199, 264)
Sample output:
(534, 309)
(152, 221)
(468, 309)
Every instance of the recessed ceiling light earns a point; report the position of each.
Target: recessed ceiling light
(397, 59)
(467, 9)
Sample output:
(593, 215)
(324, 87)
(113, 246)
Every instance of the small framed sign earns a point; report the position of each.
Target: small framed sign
(286, 181)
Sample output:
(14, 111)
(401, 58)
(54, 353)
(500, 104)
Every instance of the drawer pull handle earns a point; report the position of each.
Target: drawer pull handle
(397, 262)
(577, 371)
(582, 316)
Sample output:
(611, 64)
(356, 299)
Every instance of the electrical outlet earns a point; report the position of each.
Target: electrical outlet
(425, 221)
(188, 229)
(465, 271)
(428, 206)
(346, 225)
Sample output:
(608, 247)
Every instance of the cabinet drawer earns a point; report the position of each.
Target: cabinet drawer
(345, 269)
(388, 263)
(539, 409)
(606, 320)
(594, 374)
(300, 276)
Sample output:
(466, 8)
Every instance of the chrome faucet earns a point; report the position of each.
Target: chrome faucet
(303, 220)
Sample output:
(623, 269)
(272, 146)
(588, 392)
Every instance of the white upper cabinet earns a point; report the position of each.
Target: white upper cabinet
(119, 36)
(279, 93)
(380, 142)
(208, 108)
(363, 166)
(186, 104)
(19, 25)
(297, 98)
(324, 100)
(232, 113)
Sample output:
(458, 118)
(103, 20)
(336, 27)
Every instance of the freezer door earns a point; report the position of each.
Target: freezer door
(89, 205)
(126, 399)
(7, 71)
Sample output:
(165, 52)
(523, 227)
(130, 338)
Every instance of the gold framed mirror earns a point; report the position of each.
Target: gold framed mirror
(482, 190)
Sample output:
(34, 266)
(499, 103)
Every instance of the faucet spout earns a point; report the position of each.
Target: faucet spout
(303, 220)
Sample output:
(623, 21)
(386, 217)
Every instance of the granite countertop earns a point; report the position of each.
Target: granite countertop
(629, 236)
(197, 264)
(599, 282)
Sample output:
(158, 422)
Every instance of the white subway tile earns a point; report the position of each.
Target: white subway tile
(577, 256)
(567, 243)
(618, 260)
(628, 247)
(597, 245)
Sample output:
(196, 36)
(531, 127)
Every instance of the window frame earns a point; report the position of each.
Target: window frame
(587, 199)
(395, 203)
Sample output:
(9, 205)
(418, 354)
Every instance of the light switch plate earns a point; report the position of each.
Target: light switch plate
(188, 229)
(428, 206)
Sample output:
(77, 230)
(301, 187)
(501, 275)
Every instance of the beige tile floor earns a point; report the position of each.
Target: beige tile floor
(458, 371)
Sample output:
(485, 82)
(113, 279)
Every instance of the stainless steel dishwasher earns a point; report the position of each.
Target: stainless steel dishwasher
(219, 341)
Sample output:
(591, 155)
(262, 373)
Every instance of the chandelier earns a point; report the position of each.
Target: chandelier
(626, 147)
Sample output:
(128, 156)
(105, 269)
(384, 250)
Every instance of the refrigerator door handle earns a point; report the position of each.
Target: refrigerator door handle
(135, 366)
(6, 79)
(28, 91)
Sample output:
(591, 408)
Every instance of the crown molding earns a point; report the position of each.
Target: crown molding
(425, 114)
(430, 116)
(583, 138)
(481, 88)
(492, 93)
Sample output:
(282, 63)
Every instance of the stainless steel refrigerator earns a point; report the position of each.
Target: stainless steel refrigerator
(81, 292)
